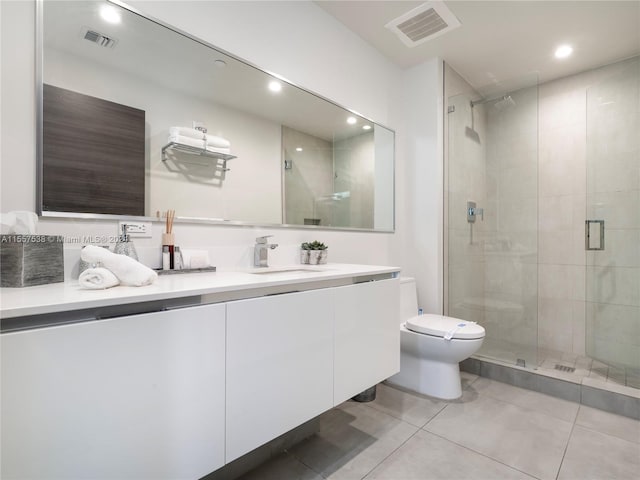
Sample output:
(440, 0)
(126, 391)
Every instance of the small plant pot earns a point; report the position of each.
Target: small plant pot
(314, 256)
(304, 257)
(317, 257)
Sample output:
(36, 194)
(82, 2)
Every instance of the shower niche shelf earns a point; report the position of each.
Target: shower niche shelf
(172, 147)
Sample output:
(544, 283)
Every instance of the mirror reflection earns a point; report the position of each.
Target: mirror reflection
(138, 119)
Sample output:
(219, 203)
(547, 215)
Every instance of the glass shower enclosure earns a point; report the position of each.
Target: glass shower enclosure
(492, 220)
(613, 223)
(542, 221)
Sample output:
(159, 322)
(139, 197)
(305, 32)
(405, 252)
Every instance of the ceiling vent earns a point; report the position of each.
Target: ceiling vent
(423, 23)
(98, 38)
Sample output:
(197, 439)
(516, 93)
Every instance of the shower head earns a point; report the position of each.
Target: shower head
(504, 102)
(501, 103)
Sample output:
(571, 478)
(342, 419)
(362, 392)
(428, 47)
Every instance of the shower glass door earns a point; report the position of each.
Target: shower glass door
(613, 246)
(492, 250)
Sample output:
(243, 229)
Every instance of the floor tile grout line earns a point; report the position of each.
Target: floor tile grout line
(529, 409)
(364, 404)
(391, 453)
(566, 447)
(482, 454)
(405, 420)
(487, 395)
(595, 430)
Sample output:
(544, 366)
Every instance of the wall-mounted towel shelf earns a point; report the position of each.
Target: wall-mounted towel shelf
(180, 147)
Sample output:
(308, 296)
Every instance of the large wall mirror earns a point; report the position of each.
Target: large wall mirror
(138, 118)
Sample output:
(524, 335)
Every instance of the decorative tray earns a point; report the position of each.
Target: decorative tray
(159, 271)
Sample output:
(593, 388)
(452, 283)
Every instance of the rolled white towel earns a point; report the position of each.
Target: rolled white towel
(218, 142)
(128, 270)
(186, 132)
(97, 279)
(193, 142)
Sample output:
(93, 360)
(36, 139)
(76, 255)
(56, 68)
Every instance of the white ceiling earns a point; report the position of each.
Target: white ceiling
(502, 44)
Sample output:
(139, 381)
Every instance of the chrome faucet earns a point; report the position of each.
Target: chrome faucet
(261, 251)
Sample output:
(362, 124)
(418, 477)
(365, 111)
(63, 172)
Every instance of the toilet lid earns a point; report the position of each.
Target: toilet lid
(439, 326)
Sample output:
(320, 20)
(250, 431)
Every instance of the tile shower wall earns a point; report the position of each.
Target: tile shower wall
(308, 179)
(511, 247)
(562, 203)
(613, 195)
(354, 160)
(524, 271)
(466, 174)
(467, 266)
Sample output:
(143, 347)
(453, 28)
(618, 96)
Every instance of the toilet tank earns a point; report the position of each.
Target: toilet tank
(408, 298)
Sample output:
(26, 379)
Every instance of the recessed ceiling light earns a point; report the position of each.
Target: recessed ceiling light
(563, 51)
(275, 86)
(220, 63)
(110, 14)
(351, 120)
(366, 127)
(298, 149)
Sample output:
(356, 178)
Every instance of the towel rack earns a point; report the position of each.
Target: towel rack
(180, 147)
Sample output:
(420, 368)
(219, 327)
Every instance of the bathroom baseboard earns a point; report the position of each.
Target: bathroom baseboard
(592, 393)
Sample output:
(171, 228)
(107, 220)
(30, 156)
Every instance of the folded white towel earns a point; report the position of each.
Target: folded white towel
(219, 142)
(219, 150)
(128, 270)
(192, 142)
(210, 140)
(186, 132)
(97, 279)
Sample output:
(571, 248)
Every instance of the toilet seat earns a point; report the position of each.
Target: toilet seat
(441, 326)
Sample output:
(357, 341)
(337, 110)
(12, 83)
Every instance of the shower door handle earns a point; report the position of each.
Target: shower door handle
(594, 235)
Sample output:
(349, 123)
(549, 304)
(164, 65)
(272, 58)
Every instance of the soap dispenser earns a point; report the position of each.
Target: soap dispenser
(125, 246)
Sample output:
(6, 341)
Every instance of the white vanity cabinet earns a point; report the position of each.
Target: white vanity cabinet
(367, 336)
(279, 366)
(139, 396)
(181, 392)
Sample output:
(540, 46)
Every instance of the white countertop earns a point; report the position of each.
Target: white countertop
(62, 297)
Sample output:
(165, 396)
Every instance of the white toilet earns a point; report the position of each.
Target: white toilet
(431, 347)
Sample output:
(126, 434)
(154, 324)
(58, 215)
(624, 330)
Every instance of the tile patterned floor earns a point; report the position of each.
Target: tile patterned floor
(495, 431)
(546, 360)
(587, 367)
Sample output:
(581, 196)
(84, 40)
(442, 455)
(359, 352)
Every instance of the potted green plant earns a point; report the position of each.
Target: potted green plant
(317, 252)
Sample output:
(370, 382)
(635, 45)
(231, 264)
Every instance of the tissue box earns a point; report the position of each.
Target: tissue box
(27, 260)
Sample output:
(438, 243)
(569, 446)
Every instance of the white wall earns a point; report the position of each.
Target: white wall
(418, 245)
(304, 44)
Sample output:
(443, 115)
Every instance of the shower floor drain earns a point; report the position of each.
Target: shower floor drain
(564, 368)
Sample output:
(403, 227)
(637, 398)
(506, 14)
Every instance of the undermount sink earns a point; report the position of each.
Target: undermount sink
(277, 270)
